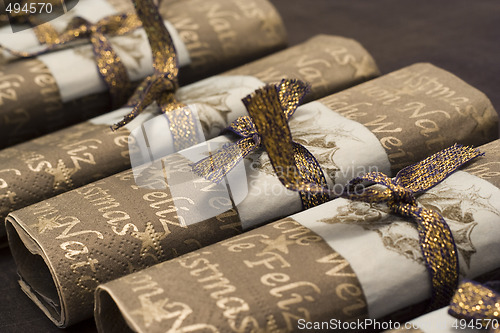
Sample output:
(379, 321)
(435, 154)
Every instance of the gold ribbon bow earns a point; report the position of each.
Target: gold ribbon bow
(110, 66)
(267, 126)
(435, 238)
(162, 85)
(478, 303)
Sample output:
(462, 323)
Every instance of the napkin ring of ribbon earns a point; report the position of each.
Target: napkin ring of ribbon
(160, 87)
(266, 127)
(435, 238)
(110, 66)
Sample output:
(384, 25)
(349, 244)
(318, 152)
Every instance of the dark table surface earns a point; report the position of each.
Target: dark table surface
(461, 36)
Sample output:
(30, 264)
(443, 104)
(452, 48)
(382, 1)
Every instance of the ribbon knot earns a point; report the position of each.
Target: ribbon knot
(155, 88)
(160, 87)
(270, 108)
(402, 198)
(435, 237)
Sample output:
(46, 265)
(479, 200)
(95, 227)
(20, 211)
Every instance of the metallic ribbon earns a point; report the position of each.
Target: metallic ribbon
(46, 34)
(111, 68)
(162, 85)
(270, 108)
(474, 301)
(435, 238)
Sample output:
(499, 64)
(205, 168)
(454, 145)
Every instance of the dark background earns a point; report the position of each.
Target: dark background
(461, 36)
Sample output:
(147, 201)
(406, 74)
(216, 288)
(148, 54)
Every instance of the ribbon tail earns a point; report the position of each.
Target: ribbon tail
(111, 68)
(217, 165)
(271, 123)
(290, 94)
(315, 187)
(427, 173)
(141, 100)
(243, 127)
(140, 92)
(295, 167)
(439, 251)
(121, 24)
(164, 55)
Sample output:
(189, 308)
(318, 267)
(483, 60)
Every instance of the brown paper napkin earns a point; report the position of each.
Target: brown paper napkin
(63, 160)
(327, 268)
(82, 238)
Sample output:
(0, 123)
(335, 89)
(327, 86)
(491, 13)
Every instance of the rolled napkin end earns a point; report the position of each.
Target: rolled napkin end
(109, 317)
(34, 271)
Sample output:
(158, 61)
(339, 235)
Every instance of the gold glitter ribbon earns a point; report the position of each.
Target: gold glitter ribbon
(267, 126)
(435, 238)
(162, 85)
(46, 33)
(477, 302)
(110, 66)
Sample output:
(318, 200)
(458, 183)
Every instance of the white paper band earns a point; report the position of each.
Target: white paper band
(383, 249)
(217, 99)
(344, 148)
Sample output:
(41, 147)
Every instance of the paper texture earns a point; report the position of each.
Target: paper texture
(93, 152)
(119, 205)
(366, 245)
(222, 34)
(215, 33)
(419, 107)
(127, 227)
(471, 207)
(489, 167)
(324, 61)
(260, 281)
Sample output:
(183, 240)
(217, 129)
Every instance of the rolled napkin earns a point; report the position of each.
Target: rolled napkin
(120, 224)
(61, 88)
(32, 36)
(338, 266)
(90, 151)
